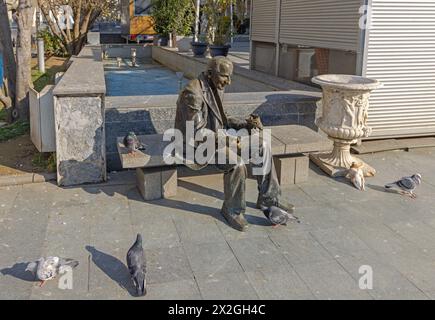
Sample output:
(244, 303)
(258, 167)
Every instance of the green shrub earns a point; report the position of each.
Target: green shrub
(14, 130)
(52, 44)
(175, 16)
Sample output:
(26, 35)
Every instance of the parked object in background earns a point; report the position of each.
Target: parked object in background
(406, 185)
(345, 105)
(356, 176)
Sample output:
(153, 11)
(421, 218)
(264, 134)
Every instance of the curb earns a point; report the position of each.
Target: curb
(26, 179)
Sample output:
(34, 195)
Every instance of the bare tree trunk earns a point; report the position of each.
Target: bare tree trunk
(9, 61)
(24, 56)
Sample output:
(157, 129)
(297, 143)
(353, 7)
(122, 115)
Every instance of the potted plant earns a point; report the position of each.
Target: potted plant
(199, 47)
(172, 18)
(218, 27)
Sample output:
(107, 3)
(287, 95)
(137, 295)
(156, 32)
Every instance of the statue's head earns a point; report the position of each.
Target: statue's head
(220, 70)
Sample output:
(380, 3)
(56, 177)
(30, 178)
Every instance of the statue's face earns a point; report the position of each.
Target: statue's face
(221, 76)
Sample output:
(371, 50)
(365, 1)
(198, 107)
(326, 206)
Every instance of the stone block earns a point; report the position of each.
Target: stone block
(156, 183)
(291, 169)
(80, 140)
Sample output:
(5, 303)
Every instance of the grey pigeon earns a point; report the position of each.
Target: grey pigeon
(48, 268)
(137, 266)
(278, 216)
(406, 185)
(132, 143)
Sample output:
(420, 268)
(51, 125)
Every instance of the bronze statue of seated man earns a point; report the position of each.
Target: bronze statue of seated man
(200, 102)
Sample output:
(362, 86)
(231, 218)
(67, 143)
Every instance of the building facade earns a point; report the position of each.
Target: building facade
(390, 40)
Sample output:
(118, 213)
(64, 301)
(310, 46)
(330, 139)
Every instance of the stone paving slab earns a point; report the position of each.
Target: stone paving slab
(329, 281)
(193, 254)
(208, 259)
(279, 283)
(227, 286)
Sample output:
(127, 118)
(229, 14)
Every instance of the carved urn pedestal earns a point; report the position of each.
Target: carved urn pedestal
(345, 106)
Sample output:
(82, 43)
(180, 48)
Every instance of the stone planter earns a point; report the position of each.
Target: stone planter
(344, 116)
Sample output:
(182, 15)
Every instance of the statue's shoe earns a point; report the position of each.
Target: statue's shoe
(282, 204)
(236, 221)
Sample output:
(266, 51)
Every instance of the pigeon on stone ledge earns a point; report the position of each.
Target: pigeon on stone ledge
(48, 268)
(278, 216)
(356, 176)
(132, 143)
(137, 266)
(406, 185)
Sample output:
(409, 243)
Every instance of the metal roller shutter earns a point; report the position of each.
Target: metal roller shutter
(264, 20)
(400, 52)
(329, 24)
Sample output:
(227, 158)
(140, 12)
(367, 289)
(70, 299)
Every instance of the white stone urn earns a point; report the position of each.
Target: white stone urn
(345, 105)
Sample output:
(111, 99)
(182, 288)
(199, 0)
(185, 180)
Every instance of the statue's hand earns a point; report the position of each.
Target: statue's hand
(254, 122)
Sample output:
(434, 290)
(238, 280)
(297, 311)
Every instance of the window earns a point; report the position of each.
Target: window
(142, 7)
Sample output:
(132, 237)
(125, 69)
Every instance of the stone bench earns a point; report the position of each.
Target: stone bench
(156, 179)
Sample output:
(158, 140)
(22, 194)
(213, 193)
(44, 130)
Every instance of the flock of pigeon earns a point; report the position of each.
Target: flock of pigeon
(48, 268)
(45, 269)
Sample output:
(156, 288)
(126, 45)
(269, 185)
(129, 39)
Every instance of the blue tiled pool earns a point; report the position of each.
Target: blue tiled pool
(147, 79)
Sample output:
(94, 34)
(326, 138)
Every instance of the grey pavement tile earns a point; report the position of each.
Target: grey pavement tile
(257, 253)
(156, 232)
(298, 249)
(416, 266)
(339, 241)
(167, 265)
(175, 290)
(207, 259)
(198, 230)
(329, 281)
(226, 286)
(417, 232)
(280, 283)
(7, 199)
(381, 239)
(388, 283)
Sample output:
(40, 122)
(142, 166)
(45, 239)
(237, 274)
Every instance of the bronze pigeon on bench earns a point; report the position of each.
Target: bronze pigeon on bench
(132, 143)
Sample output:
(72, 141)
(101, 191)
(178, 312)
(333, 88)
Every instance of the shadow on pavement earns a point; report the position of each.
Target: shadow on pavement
(113, 268)
(18, 271)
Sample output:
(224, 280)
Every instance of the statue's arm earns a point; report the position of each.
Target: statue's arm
(236, 123)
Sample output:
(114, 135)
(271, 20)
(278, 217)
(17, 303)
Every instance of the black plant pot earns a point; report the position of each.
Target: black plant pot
(199, 48)
(219, 50)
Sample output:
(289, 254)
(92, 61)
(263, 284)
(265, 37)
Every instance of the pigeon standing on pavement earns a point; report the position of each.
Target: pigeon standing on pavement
(278, 216)
(356, 176)
(48, 268)
(136, 265)
(406, 185)
(132, 143)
